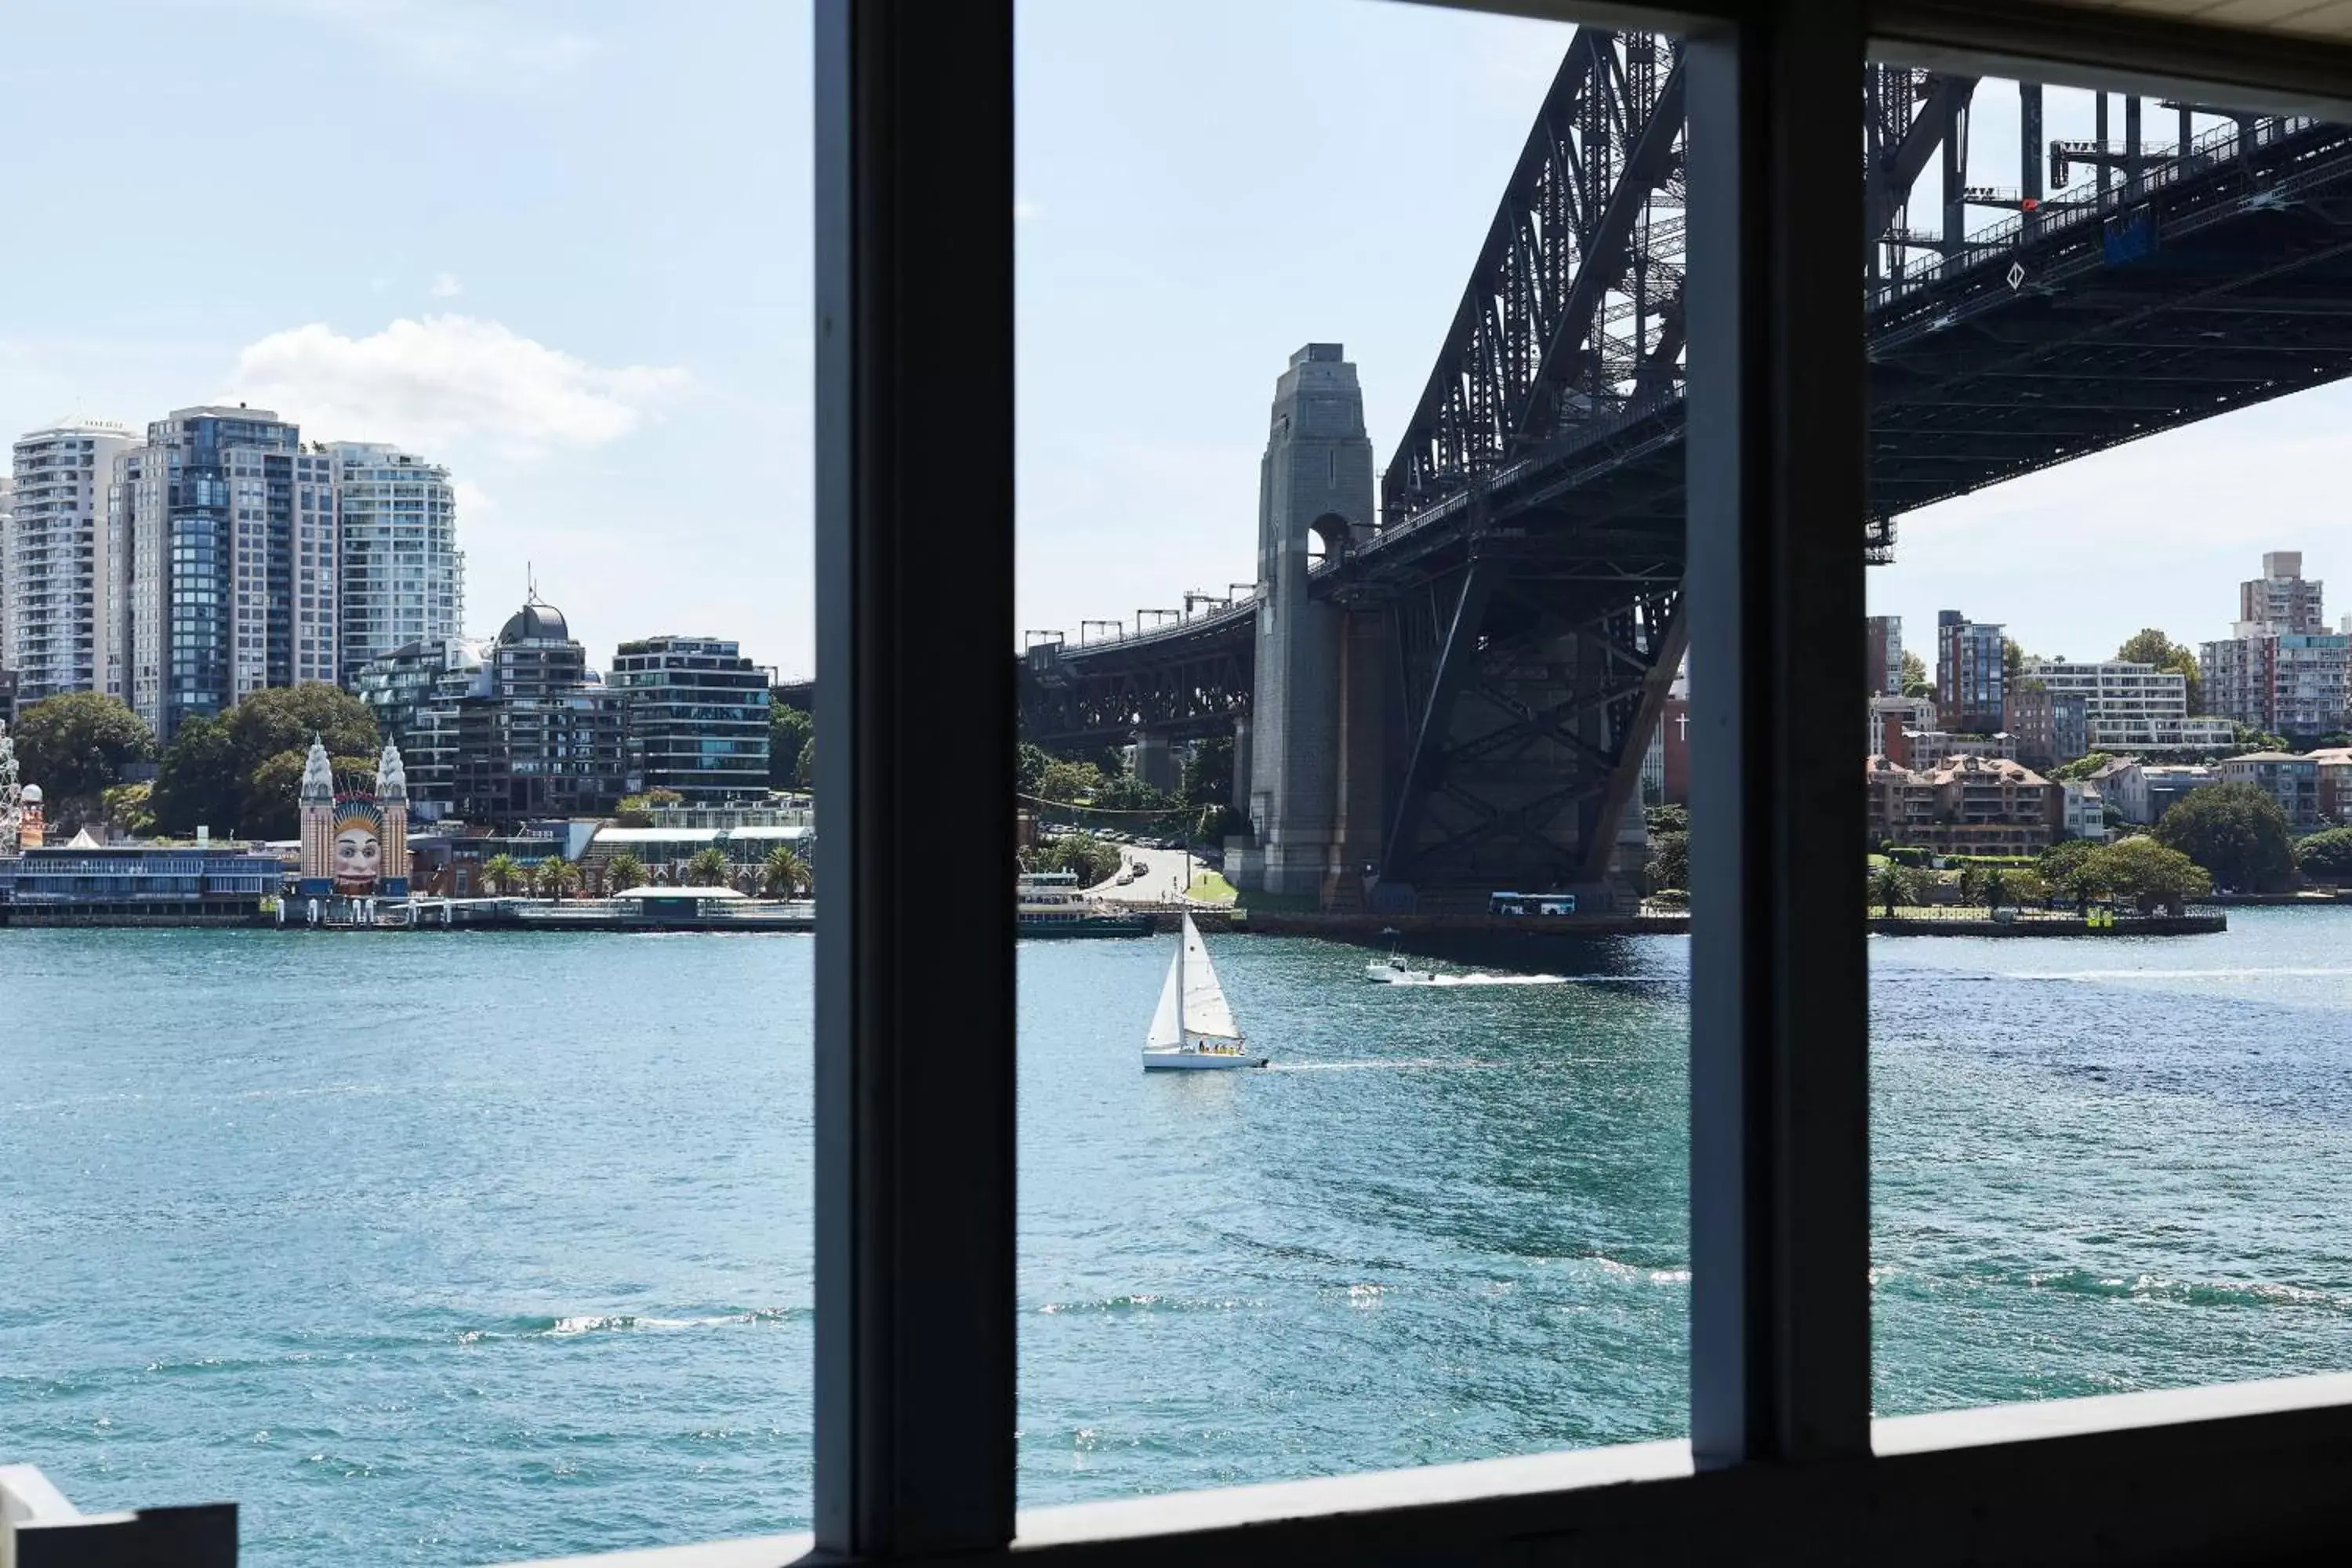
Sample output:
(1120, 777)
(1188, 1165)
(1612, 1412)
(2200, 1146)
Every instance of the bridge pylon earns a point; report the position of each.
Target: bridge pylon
(1315, 498)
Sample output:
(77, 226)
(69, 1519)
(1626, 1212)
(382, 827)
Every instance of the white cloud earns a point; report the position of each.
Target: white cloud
(474, 502)
(446, 286)
(448, 379)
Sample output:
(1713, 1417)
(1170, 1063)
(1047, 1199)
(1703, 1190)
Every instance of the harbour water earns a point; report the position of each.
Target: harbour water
(464, 1248)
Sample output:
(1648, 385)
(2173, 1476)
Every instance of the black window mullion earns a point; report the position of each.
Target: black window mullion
(914, 595)
(1780, 1018)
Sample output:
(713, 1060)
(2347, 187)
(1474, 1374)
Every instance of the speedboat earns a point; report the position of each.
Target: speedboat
(1394, 971)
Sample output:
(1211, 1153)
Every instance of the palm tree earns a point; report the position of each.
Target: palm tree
(501, 872)
(707, 868)
(624, 872)
(785, 873)
(559, 876)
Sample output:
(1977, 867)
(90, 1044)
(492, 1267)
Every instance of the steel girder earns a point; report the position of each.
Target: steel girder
(1579, 283)
(1183, 686)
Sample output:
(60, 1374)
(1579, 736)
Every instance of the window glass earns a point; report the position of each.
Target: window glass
(2106, 695)
(1445, 1218)
(474, 1224)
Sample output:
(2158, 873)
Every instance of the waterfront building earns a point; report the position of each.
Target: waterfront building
(2292, 781)
(55, 557)
(774, 810)
(664, 850)
(2280, 598)
(697, 715)
(2122, 705)
(1882, 655)
(85, 883)
(1970, 683)
(545, 738)
(402, 577)
(228, 525)
(2286, 683)
(1965, 805)
(414, 692)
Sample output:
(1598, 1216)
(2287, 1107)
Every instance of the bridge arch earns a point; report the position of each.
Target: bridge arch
(1327, 537)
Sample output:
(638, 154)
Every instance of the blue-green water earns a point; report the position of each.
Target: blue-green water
(458, 1249)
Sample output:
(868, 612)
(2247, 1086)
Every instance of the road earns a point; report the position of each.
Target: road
(1161, 882)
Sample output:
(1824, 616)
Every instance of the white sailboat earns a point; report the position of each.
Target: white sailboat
(1193, 1030)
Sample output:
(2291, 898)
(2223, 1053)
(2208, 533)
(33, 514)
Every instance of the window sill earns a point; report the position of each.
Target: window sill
(1343, 1512)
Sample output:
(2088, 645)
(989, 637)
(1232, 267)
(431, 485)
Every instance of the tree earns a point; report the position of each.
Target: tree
(805, 770)
(2150, 646)
(559, 876)
(500, 873)
(1093, 859)
(789, 730)
(2251, 738)
(624, 872)
(707, 868)
(1666, 819)
(273, 804)
(1995, 888)
(2237, 832)
(198, 784)
(127, 811)
(1891, 887)
(2326, 857)
(2147, 874)
(1916, 681)
(1065, 782)
(75, 746)
(2063, 858)
(1208, 778)
(2082, 767)
(783, 874)
(1971, 882)
(633, 811)
(2013, 661)
(1030, 764)
(1670, 860)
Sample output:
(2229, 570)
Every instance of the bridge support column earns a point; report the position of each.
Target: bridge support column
(1155, 762)
(1315, 492)
(1367, 657)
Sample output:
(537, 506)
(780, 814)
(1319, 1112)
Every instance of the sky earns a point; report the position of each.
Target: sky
(563, 247)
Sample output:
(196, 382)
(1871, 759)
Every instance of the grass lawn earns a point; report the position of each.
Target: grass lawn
(1211, 886)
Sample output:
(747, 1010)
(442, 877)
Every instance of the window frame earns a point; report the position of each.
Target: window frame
(916, 1352)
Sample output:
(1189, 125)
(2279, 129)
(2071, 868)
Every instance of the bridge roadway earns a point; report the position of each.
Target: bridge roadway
(2207, 281)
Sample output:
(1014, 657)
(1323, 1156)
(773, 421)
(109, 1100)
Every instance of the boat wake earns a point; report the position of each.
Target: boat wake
(1391, 1064)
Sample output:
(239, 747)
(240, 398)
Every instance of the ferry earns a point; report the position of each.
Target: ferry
(1052, 904)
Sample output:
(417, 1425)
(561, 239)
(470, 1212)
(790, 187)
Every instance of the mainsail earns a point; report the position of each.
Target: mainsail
(1205, 1014)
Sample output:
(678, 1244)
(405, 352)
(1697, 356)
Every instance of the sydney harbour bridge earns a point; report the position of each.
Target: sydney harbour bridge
(1449, 688)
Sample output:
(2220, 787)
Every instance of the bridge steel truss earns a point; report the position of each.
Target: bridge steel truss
(1534, 503)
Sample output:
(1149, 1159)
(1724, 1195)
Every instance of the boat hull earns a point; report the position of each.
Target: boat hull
(1090, 926)
(1198, 1061)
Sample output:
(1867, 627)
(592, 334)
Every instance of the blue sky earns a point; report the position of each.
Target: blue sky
(563, 245)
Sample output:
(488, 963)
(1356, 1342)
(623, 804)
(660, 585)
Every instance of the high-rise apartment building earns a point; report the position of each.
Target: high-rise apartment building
(2280, 668)
(2280, 598)
(1970, 689)
(416, 691)
(230, 525)
(57, 559)
(1882, 655)
(697, 715)
(7, 515)
(402, 575)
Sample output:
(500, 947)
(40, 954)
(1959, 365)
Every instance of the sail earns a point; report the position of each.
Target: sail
(1167, 1027)
(1205, 1012)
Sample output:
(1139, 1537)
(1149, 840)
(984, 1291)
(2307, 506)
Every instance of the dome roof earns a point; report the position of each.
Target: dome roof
(536, 622)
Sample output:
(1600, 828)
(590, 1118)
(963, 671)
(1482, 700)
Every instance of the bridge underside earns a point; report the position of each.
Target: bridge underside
(1527, 610)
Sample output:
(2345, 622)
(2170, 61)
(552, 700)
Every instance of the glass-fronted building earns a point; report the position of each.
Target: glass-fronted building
(81, 884)
(697, 715)
(404, 577)
(543, 738)
(414, 692)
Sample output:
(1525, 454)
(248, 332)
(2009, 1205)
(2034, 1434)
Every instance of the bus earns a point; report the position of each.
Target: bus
(1516, 904)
